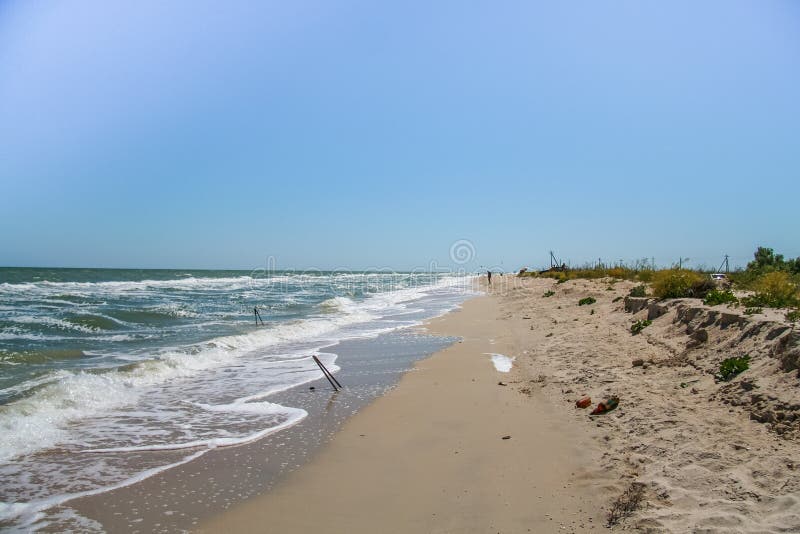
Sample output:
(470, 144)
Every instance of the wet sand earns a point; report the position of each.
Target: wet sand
(430, 456)
(180, 498)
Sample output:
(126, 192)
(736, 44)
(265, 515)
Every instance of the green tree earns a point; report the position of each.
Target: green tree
(765, 260)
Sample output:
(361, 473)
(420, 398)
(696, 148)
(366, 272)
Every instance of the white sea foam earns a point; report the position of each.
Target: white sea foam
(33, 383)
(37, 422)
(293, 416)
(29, 510)
(171, 399)
(338, 304)
(93, 288)
(53, 322)
(501, 362)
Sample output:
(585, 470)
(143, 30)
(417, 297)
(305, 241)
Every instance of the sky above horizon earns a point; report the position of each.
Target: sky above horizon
(357, 134)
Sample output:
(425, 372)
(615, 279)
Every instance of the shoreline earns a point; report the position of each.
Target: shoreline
(456, 445)
(430, 455)
(179, 498)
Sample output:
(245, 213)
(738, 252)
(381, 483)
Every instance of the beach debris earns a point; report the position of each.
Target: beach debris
(686, 384)
(506, 437)
(502, 384)
(638, 362)
(335, 383)
(606, 406)
(626, 504)
(312, 388)
(583, 402)
(501, 362)
(257, 316)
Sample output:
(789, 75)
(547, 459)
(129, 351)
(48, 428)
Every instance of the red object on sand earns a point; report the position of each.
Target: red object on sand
(583, 402)
(606, 406)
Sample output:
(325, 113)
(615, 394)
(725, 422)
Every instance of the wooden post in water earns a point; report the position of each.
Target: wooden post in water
(258, 316)
(334, 383)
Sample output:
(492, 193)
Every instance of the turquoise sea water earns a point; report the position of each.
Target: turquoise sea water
(99, 367)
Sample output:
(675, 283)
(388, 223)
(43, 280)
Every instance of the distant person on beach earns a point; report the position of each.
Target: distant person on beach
(489, 276)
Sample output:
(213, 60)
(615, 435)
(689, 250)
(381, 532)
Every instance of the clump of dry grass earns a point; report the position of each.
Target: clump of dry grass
(675, 283)
(594, 273)
(774, 290)
(626, 504)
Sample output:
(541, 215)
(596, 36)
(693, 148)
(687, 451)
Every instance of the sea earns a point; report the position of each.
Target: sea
(111, 376)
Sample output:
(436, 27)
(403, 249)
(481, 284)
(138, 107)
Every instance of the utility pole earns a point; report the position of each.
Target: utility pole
(726, 264)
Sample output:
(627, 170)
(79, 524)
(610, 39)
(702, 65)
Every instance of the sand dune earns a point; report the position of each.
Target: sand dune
(707, 461)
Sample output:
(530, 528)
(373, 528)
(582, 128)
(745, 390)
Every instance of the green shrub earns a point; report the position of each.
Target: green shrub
(753, 311)
(617, 299)
(717, 296)
(793, 316)
(640, 325)
(549, 293)
(730, 367)
(675, 283)
(586, 301)
(765, 261)
(774, 290)
(638, 291)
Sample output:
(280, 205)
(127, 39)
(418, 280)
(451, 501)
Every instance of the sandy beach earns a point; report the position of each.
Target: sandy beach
(430, 456)
(369, 267)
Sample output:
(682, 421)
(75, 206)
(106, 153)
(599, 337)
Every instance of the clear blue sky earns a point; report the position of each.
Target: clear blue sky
(368, 134)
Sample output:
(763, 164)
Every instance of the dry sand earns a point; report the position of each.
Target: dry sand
(713, 457)
(429, 456)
